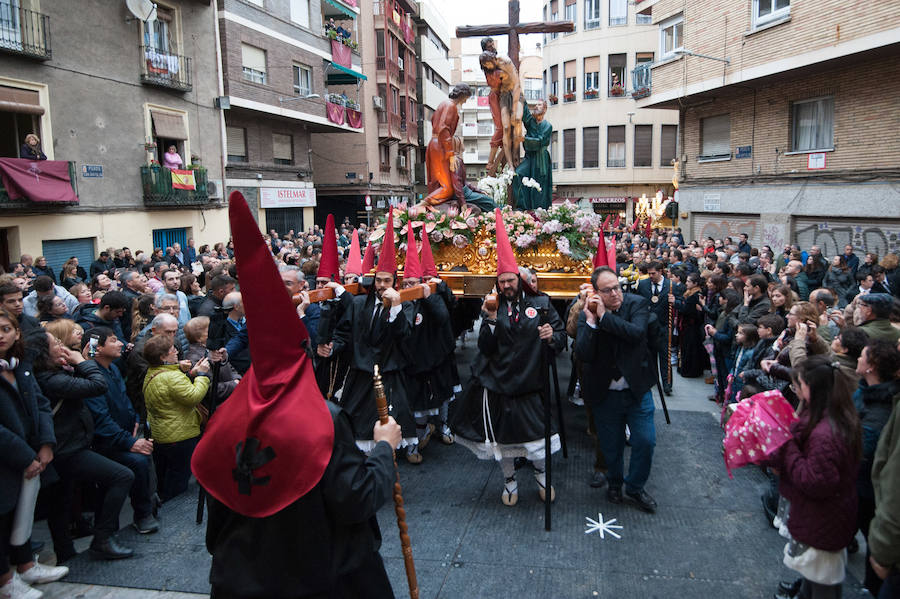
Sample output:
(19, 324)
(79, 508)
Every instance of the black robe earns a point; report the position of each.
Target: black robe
(428, 353)
(511, 366)
(331, 371)
(368, 342)
(693, 357)
(325, 544)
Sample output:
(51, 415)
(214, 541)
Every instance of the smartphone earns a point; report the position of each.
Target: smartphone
(93, 343)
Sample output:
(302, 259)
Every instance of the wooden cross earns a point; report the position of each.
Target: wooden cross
(514, 28)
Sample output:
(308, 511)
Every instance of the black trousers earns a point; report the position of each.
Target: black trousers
(173, 467)
(11, 554)
(142, 489)
(86, 466)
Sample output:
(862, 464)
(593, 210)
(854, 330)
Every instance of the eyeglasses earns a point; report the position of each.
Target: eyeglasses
(610, 290)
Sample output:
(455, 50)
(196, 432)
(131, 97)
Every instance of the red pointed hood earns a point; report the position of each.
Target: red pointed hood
(387, 259)
(270, 443)
(427, 259)
(601, 258)
(648, 229)
(412, 268)
(506, 259)
(354, 260)
(618, 220)
(329, 263)
(605, 222)
(368, 262)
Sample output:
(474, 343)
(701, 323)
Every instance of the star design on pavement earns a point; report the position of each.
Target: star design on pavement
(601, 526)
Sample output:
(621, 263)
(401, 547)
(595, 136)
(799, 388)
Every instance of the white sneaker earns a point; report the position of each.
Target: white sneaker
(17, 589)
(42, 574)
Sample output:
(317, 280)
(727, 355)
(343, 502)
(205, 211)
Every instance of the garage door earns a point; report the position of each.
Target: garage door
(879, 236)
(164, 238)
(719, 226)
(58, 251)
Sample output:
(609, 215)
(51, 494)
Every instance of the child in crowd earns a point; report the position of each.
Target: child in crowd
(745, 340)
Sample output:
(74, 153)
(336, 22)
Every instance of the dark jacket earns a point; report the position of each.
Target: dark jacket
(66, 392)
(874, 404)
(227, 377)
(98, 266)
(660, 307)
(26, 424)
(751, 313)
(841, 281)
(368, 342)
(317, 545)
(29, 154)
(88, 319)
(38, 271)
(818, 477)
(113, 415)
(618, 346)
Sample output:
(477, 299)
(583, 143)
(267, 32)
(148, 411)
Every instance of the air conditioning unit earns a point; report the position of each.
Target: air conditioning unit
(378, 101)
(401, 161)
(400, 62)
(215, 189)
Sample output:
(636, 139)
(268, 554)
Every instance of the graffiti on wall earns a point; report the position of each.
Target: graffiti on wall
(774, 235)
(879, 238)
(722, 228)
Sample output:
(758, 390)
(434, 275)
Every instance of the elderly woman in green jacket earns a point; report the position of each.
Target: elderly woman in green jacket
(172, 411)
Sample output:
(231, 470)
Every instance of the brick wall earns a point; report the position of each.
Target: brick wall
(866, 96)
(259, 130)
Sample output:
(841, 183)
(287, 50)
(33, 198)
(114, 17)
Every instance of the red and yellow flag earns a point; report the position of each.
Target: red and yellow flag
(183, 180)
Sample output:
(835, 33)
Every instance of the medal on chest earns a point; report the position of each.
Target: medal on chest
(530, 312)
(654, 299)
(419, 319)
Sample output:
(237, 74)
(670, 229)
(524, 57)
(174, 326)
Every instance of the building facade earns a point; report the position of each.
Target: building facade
(110, 97)
(605, 151)
(788, 113)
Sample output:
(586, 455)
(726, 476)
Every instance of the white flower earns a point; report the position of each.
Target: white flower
(529, 182)
(562, 244)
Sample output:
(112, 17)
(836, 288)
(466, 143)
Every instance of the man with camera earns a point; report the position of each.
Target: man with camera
(617, 378)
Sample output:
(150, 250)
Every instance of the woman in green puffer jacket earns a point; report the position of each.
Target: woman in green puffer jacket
(172, 400)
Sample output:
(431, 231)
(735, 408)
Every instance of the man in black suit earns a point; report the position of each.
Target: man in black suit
(656, 290)
(617, 379)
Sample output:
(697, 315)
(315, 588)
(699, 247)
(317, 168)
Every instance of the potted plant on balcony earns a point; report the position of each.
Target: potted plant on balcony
(569, 96)
(149, 146)
(590, 94)
(616, 89)
(553, 99)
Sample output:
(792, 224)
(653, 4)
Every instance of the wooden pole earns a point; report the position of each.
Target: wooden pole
(327, 293)
(669, 344)
(382, 407)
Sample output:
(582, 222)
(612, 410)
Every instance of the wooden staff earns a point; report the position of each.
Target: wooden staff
(327, 293)
(669, 344)
(382, 407)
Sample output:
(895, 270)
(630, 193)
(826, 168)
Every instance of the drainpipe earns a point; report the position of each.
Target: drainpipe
(221, 92)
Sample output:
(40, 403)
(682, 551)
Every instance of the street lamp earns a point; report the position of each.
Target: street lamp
(689, 53)
(284, 99)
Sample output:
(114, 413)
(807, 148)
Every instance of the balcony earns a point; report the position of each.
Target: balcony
(641, 79)
(486, 130)
(24, 32)
(9, 204)
(389, 125)
(388, 65)
(165, 70)
(156, 182)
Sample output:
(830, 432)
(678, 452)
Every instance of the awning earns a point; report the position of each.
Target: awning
(344, 9)
(168, 126)
(344, 76)
(26, 101)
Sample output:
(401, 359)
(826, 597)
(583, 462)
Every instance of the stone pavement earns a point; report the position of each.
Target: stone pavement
(708, 539)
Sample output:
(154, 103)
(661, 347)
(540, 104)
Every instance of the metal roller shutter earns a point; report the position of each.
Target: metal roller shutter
(720, 225)
(879, 236)
(164, 238)
(58, 251)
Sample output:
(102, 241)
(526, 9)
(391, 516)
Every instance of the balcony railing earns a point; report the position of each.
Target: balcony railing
(156, 181)
(165, 70)
(486, 130)
(8, 204)
(640, 79)
(24, 32)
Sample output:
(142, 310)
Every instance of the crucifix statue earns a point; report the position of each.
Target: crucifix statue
(514, 28)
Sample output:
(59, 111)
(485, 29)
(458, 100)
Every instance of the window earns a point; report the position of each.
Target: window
(554, 80)
(302, 80)
(395, 100)
(569, 148)
(590, 147)
(643, 145)
(554, 16)
(554, 150)
(591, 14)
(618, 12)
(715, 142)
(571, 75)
(591, 76)
(640, 78)
(671, 32)
(668, 144)
(617, 74)
(282, 148)
(300, 12)
(236, 138)
(253, 61)
(379, 46)
(615, 146)
(640, 19)
(767, 11)
(384, 153)
(812, 125)
(571, 13)
(159, 34)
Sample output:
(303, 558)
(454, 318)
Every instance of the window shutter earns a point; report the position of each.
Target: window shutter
(282, 146)
(616, 60)
(643, 145)
(236, 141)
(167, 125)
(569, 68)
(554, 73)
(616, 134)
(716, 131)
(253, 58)
(590, 147)
(569, 148)
(554, 6)
(592, 64)
(668, 142)
(570, 2)
(643, 57)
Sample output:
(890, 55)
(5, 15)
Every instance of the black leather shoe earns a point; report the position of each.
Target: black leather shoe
(598, 480)
(614, 494)
(788, 589)
(146, 525)
(667, 390)
(109, 549)
(643, 501)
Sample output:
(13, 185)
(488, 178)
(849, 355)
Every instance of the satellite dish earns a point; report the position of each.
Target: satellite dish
(144, 10)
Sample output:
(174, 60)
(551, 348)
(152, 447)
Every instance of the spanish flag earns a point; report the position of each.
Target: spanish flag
(183, 180)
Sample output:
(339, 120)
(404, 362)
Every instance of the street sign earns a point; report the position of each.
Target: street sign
(712, 202)
(369, 202)
(92, 170)
(744, 152)
(815, 162)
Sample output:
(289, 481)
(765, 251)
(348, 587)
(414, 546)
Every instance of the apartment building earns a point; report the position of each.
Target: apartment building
(787, 118)
(433, 81)
(292, 77)
(109, 96)
(605, 151)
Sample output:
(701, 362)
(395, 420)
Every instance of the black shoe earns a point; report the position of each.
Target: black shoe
(667, 390)
(65, 554)
(146, 525)
(109, 549)
(643, 500)
(788, 589)
(770, 513)
(614, 495)
(598, 480)
(520, 463)
(82, 527)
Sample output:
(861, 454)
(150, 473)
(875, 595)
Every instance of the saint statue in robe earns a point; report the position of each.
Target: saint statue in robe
(536, 164)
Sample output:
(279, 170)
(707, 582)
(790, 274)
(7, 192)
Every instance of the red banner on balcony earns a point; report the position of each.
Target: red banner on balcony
(183, 180)
(354, 118)
(340, 53)
(335, 112)
(42, 181)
